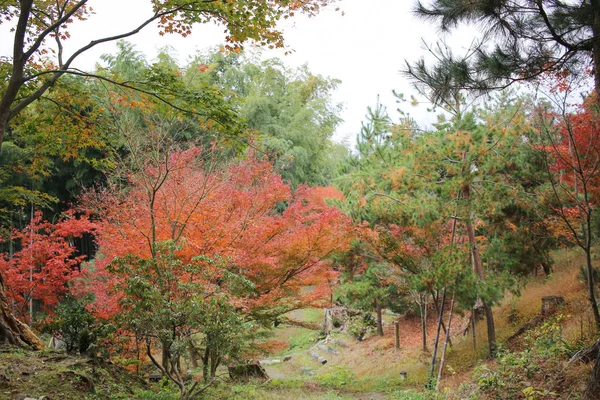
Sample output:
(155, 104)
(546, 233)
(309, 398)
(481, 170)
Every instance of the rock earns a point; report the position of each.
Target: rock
(269, 362)
(307, 371)
(56, 343)
(326, 349)
(315, 355)
(340, 343)
(287, 358)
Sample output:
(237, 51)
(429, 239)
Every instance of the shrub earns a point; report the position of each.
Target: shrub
(524, 374)
(360, 325)
(77, 327)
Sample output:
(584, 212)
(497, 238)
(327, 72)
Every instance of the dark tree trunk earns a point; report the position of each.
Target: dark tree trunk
(596, 45)
(547, 268)
(205, 365)
(592, 287)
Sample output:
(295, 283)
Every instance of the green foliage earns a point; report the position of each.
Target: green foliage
(530, 373)
(174, 306)
(527, 41)
(291, 110)
(304, 340)
(338, 378)
(77, 327)
(360, 325)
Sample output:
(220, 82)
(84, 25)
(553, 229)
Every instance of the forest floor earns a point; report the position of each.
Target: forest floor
(367, 369)
(53, 375)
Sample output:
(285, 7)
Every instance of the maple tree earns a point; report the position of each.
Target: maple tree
(201, 210)
(45, 263)
(232, 213)
(570, 144)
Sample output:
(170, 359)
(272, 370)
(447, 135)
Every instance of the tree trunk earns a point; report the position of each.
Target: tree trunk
(2, 131)
(437, 309)
(437, 335)
(378, 308)
(215, 361)
(443, 358)
(165, 358)
(205, 367)
(489, 316)
(592, 287)
(596, 45)
(423, 307)
(593, 389)
(12, 330)
(473, 327)
(194, 356)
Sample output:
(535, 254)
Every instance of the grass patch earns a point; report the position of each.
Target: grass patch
(298, 389)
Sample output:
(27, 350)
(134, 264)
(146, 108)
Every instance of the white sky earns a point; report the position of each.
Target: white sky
(365, 48)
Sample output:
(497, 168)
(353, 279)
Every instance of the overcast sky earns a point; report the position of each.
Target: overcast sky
(365, 47)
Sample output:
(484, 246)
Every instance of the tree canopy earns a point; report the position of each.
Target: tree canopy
(520, 40)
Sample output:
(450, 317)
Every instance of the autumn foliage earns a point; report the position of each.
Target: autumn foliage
(245, 214)
(46, 262)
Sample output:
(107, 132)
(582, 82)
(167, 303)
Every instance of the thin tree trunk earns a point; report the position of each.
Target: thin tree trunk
(489, 315)
(423, 306)
(437, 335)
(443, 359)
(437, 309)
(441, 307)
(378, 308)
(592, 288)
(205, 368)
(473, 325)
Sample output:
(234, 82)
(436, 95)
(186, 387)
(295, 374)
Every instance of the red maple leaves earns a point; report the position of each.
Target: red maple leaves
(276, 238)
(45, 262)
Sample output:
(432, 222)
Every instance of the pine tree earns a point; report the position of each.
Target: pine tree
(529, 38)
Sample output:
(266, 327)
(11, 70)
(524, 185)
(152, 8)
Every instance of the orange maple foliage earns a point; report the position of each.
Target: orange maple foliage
(245, 214)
